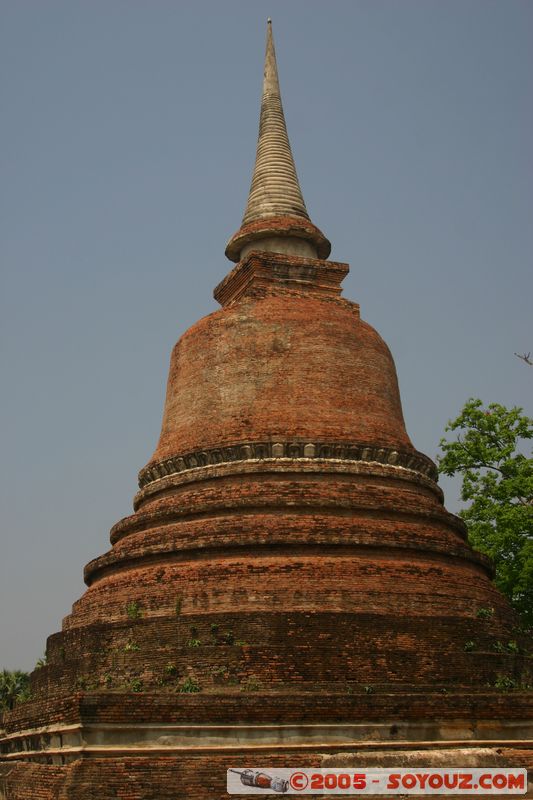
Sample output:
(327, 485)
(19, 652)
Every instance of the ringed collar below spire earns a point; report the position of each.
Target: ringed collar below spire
(276, 219)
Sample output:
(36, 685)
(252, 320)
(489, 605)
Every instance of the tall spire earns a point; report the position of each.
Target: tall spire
(275, 188)
(276, 218)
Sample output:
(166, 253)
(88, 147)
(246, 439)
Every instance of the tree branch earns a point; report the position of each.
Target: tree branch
(525, 357)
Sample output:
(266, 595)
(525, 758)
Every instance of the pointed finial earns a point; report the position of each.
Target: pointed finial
(275, 217)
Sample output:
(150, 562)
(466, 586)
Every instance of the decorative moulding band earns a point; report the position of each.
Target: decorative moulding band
(257, 451)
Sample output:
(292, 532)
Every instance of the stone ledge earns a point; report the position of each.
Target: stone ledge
(98, 739)
(331, 468)
(294, 449)
(67, 754)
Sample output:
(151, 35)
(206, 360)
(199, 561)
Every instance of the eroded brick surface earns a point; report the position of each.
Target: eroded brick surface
(295, 586)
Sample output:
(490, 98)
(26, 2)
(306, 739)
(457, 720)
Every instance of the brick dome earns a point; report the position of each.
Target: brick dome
(283, 368)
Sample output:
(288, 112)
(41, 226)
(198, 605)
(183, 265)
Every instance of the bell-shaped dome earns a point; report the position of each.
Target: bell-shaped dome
(281, 367)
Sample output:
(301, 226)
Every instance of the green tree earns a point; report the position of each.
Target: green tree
(14, 688)
(498, 485)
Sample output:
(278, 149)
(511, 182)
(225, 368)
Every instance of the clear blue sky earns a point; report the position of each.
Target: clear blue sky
(127, 143)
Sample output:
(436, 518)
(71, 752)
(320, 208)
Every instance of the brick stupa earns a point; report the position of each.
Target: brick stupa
(290, 589)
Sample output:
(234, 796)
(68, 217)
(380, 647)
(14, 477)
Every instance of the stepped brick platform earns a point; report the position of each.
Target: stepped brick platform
(290, 590)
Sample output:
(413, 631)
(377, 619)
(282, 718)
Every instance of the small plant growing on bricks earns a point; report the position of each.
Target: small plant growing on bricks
(136, 685)
(222, 672)
(251, 684)
(484, 613)
(84, 683)
(133, 610)
(189, 686)
(505, 683)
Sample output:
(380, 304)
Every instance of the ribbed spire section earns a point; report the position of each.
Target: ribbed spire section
(276, 219)
(275, 189)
